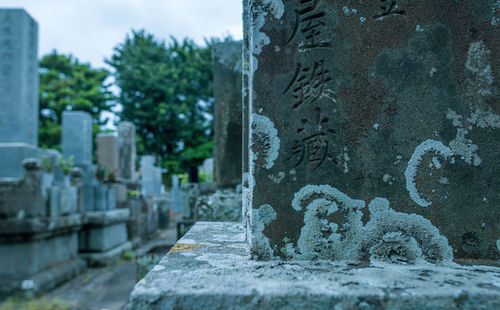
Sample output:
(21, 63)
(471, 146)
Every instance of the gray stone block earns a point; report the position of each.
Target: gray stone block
(77, 137)
(29, 257)
(18, 80)
(209, 268)
(102, 238)
(227, 112)
(109, 257)
(127, 150)
(22, 197)
(12, 156)
(108, 153)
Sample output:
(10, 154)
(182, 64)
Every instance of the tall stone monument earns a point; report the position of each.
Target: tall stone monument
(18, 90)
(77, 143)
(374, 130)
(108, 152)
(127, 151)
(227, 112)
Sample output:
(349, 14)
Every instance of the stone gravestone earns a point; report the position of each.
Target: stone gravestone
(77, 142)
(227, 113)
(18, 90)
(149, 175)
(107, 152)
(127, 150)
(374, 130)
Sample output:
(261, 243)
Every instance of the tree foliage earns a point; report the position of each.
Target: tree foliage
(166, 91)
(66, 84)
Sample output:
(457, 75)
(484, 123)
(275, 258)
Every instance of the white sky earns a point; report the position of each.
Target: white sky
(89, 29)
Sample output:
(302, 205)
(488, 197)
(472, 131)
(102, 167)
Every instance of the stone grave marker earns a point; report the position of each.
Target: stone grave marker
(18, 90)
(374, 130)
(108, 152)
(127, 150)
(227, 113)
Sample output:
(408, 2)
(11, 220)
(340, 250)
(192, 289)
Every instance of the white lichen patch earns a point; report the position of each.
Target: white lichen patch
(260, 243)
(479, 85)
(394, 236)
(498, 244)
(265, 138)
(423, 149)
(320, 238)
(387, 178)
(277, 179)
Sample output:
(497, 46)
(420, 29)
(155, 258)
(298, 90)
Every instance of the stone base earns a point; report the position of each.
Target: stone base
(210, 268)
(104, 230)
(108, 257)
(43, 281)
(12, 156)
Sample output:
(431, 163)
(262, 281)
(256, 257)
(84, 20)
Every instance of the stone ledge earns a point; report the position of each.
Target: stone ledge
(105, 218)
(37, 226)
(209, 268)
(45, 280)
(106, 258)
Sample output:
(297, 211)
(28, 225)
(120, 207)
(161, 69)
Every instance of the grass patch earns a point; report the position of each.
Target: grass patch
(43, 303)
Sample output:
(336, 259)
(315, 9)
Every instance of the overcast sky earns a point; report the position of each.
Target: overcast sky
(89, 29)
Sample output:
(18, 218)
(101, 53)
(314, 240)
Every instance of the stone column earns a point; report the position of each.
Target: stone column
(108, 152)
(127, 152)
(227, 113)
(77, 142)
(374, 130)
(18, 90)
(148, 175)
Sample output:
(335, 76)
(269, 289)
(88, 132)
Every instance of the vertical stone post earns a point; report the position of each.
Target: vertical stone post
(127, 153)
(18, 90)
(227, 113)
(374, 130)
(108, 152)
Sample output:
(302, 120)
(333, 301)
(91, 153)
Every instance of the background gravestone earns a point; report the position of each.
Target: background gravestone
(127, 150)
(77, 142)
(77, 137)
(374, 129)
(227, 113)
(18, 90)
(107, 152)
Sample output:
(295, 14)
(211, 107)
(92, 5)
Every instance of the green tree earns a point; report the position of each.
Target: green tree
(166, 90)
(66, 84)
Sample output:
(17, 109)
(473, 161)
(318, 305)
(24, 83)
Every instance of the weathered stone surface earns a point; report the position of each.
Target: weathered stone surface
(107, 153)
(374, 130)
(18, 78)
(210, 269)
(127, 152)
(101, 239)
(77, 137)
(30, 257)
(227, 112)
(19, 90)
(22, 197)
(221, 206)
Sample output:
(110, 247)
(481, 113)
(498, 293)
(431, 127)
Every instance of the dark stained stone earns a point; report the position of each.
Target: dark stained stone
(227, 113)
(374, 130)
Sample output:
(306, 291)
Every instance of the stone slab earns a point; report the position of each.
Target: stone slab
(105, 218)
(12, 156)
(29, 257)
(43, 281)
(19, 79)
(375, 125)
(108, 257)
(210, 268)
(227, 112)
(14, 230)
(108, 153)
(102, 238)
(77, 137)
(127, 151)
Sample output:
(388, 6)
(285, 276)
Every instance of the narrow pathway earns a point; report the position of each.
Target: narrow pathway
(108, 287)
